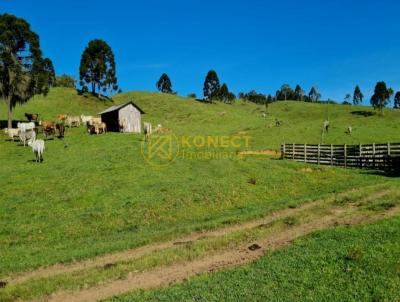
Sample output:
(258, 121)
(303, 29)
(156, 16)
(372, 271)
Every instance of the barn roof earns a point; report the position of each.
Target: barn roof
(119, 107)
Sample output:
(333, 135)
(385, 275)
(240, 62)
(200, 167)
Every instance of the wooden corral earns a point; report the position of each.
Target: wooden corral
(372, 156)
(123, 118)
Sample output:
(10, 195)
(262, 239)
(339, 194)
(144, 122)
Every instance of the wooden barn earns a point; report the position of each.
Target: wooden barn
(123, 118)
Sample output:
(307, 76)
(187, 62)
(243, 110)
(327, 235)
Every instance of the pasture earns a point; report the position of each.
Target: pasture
(95, 194)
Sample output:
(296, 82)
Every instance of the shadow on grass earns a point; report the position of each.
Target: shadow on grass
(389, 174)
(363, 113)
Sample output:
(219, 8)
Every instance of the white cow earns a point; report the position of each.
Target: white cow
(12, 132)
(27, 135)
(26, 126)
(37, 146)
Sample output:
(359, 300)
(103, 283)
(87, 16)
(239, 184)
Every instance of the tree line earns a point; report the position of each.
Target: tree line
(213, 91)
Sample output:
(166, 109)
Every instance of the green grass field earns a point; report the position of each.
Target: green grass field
(343, 264)
(94, 195)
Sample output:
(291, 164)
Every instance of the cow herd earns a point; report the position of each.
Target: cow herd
(27, 132)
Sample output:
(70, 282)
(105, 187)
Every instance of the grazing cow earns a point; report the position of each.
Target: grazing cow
(37, 146)
(12, 132)
(62, 117)
(96, 128)
(326, 126)
(48, 131)
(47, 124)
(95, 120)
(100, 128)
(349, 130)
(278, 123)
(61, 129)
(32, 117)
(86, 118)
(73, 121)
(160, 129)
(147, 131)
(26, 126)
(27, 135)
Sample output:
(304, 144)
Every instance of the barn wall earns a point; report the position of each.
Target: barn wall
(132, 117)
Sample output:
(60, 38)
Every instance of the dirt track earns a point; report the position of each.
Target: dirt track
(164, 276)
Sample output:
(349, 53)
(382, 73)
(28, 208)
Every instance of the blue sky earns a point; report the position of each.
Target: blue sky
(252, 44)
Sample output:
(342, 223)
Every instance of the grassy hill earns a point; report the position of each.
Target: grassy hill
(96, 194)
(302, 122)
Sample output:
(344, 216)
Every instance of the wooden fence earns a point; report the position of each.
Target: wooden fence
(373, 156)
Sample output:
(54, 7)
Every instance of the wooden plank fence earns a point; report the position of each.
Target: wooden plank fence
(372, 156)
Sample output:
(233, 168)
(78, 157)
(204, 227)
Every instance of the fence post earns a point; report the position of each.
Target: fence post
(388, 149)
(319, 152)
(373, 155)
(293, 151)
(331, 155)
(284, 150)
(360, 155)
(305, 153)
(345, 155)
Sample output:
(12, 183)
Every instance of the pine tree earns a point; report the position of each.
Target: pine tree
(164, 84)
(211, 86)
(314, 95)
(298, 93)
(358, 96)
(23, 71)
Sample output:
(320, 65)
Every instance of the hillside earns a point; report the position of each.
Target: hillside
(302, 122)
(96, 196)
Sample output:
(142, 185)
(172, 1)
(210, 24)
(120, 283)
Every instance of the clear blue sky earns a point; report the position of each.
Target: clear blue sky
(252, 44)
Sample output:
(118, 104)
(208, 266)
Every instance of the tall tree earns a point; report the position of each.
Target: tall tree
(211, 86)
(22, 68)
(397, 100)
(164, 84)
(298, 93)
(98, 67)
(357, 96)
(381, 96)
(314, 95)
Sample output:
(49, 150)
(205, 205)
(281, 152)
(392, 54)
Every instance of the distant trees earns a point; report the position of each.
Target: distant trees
(255, 97)
(357, 96)
(192, 95)
(164, 84)
(23, 70)
(285, 93)
(298, 93)
(381, 96)
(314, 95)
(397, 100)
(225, 95)
(211, 86)
(65, 81)
(98, 68)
